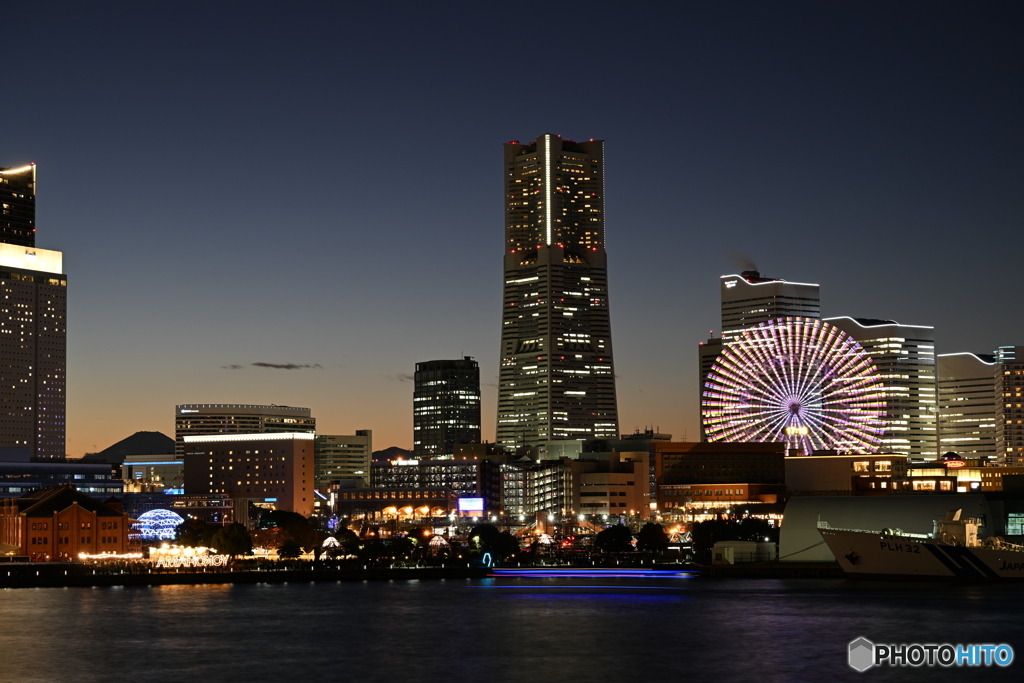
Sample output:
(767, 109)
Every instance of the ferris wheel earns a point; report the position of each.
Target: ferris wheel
(799, 381)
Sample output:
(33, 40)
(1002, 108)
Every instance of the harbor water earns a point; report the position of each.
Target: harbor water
(512, 629)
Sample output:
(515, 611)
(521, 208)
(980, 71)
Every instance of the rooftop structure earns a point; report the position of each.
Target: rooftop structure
(196, 419)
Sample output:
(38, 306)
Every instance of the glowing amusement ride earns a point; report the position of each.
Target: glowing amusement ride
(799, 381)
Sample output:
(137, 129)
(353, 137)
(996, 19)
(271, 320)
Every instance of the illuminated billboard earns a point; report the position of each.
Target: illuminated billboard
(471, 505)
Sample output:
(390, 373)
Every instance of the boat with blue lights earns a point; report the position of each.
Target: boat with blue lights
(591, 573)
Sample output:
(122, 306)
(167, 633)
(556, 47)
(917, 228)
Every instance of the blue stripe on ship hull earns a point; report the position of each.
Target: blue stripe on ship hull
(966, 557)
(966, 571)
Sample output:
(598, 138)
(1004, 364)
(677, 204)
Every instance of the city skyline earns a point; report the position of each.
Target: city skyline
(244, 223)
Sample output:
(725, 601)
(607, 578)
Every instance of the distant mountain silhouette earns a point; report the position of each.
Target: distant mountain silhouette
(391, 454)
(139, 443)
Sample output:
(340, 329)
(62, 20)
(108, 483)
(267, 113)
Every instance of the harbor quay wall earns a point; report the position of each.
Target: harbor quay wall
(73, 574)
(56, 575)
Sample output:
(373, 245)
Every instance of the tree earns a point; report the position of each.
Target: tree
(348, 541)
(488, 539)
(482, 536)
(614, 539)
(706, 534)
(233, 540)
(652, 538)
(373, 549)
(280, 519)
(289, 550)
(293, 527)
(504, 545)
(195, 533)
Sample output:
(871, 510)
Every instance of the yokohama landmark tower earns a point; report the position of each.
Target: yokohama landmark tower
(557, 378)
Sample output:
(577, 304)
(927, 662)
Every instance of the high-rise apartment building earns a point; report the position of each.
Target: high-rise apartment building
(446, 407)
(198, 419)
(1010, 404)
(905, 358)
(343, 458)
(747, 301)
(967, 405)
(33, 326)
(556, 379)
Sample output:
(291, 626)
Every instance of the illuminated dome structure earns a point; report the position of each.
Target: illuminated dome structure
(799, 381)
(158, 525)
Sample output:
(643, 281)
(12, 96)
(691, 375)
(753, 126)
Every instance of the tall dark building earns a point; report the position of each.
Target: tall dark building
(33, 332)
(556, 379)
(446, 407)
(18, 205)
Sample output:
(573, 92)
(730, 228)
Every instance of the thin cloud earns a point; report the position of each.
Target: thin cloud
(275, 366)
(288, 366)
(404, 378)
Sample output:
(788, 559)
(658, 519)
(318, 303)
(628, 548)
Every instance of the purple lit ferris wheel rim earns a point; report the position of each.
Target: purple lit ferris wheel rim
(797, 380)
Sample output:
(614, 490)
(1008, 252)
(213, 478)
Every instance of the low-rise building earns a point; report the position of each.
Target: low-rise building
(845, 475)
(596, 484)
(700, 498)
(154, 473)
(19, 475)
(60, 523)
(949, 475)
(719, 463)
(408, 503)
(992, 477)
(466, 478)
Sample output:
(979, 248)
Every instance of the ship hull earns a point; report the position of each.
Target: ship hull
(871, 554)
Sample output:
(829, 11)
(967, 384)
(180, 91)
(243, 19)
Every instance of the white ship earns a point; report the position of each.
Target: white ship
(952, 550)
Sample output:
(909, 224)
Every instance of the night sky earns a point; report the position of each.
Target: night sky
(239, 186)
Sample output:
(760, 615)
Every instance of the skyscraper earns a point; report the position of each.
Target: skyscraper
(33, 326)
(1010, 404)
(905, 358)
(556, 379)
(967, 405)
(749, 300)
(446, 407)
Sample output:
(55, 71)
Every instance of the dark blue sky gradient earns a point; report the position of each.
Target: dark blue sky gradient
(320, 184)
